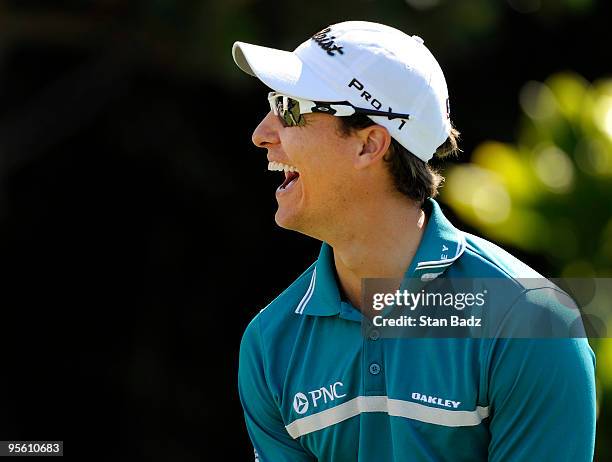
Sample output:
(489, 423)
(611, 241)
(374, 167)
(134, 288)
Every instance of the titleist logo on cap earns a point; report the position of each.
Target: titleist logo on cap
(326, 42)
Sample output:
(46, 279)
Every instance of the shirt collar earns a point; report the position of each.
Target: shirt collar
(441, 245)
(322, 297)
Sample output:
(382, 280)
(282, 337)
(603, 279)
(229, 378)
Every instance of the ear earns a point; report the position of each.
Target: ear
(376, 140)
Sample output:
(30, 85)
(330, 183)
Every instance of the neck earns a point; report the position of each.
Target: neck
(381, 243)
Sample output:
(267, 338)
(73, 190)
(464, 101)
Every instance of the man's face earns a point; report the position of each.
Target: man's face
(321, 189)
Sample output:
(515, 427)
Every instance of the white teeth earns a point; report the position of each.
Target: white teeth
(280, 167)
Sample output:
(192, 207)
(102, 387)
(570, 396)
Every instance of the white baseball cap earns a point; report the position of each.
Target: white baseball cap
(369, 65)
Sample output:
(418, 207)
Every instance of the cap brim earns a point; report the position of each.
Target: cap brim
(282, 71)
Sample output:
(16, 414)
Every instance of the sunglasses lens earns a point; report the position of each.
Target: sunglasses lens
(288, 110)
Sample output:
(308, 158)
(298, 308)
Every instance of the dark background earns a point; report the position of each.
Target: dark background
(137, 237)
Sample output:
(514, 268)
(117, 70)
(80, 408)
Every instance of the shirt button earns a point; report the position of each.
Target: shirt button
(374, 334)
(374, 369)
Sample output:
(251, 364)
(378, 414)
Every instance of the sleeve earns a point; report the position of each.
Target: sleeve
(264, 424)
(541, 396)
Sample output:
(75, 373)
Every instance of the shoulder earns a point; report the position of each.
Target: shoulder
(487, 259)
(534, 321)
(521, 302)
(287, 302)
(280, 314)
(269, 339)
(484, 259)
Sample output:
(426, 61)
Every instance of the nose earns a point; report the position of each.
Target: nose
(267, 131)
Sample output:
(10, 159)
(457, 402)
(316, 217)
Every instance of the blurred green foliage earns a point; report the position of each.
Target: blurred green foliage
(549, 193)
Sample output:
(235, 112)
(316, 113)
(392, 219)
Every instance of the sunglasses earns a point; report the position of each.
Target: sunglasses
(290, 110)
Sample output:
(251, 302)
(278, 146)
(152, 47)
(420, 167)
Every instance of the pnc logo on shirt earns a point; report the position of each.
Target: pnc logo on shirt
(301, 403)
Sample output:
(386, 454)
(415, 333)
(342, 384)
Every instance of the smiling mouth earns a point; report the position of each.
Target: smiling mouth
(291, 174)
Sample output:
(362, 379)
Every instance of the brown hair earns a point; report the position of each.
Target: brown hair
(412, 176)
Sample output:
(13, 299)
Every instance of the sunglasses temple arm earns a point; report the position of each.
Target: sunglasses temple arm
(390, 115)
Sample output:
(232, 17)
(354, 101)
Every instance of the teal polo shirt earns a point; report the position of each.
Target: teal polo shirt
(314, 388)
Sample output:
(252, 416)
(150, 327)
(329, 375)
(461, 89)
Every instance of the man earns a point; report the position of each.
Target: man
(356, 112)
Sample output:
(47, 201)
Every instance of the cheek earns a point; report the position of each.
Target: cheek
(326, 177)
(324, 158)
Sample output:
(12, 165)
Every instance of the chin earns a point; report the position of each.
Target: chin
(295, 222)
(286, 220)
